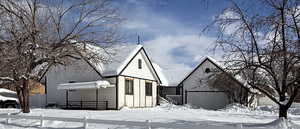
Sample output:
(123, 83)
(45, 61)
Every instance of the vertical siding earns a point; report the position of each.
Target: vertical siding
(154, 93)
(142, 92)
(139, 98)
(121, 88)
(149, 101)
(129, 100)
(136, 92)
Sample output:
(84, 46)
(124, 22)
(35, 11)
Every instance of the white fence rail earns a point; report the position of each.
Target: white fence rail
(83, 120)
(148, 124)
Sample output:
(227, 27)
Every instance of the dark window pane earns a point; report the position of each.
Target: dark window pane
(140, 63)
(148, 89)
(128, 87)
(207, 70)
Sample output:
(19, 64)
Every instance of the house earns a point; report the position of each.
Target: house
(209, 86)
(126, 79)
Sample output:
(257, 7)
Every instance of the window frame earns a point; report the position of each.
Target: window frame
(129, 83)
(147, 92)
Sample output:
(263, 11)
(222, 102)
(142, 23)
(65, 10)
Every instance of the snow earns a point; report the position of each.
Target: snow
(3, 90)
(161, 75)
(176, 117)
(6, 94)
(117, 56)
(169, 77)
(85, 85)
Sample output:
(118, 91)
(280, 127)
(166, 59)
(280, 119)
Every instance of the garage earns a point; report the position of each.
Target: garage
(207, 99)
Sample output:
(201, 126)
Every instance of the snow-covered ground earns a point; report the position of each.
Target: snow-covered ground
(177, 117)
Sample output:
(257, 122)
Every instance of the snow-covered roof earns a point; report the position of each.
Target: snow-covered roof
(159, 71)
(169, 77)
(3, 90)
(85, 85)
(117, 56)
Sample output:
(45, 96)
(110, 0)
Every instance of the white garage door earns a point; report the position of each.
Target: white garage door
(207, 100)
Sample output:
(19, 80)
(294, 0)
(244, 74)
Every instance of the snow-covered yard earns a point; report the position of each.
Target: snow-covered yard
(178, 117)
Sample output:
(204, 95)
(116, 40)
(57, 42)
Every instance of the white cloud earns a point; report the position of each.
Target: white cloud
(178, 53)
(173, 45)
(135, 25)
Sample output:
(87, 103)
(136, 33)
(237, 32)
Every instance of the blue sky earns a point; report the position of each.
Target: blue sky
(170, 29)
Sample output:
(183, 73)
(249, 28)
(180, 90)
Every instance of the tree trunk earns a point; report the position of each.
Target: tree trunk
(25, 96)
(20, 96)
(283, 111)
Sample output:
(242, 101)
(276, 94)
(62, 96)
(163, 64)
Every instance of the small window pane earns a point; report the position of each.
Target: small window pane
(140, 63)
(128, 87)
(207, 70)
(148, 89)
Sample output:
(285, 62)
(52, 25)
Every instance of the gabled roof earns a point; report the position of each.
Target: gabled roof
(219, 66)
(117, 57)
(212, 60)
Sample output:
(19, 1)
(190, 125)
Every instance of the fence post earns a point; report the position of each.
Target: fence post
(85, 124)
(8, 118)
(42, 120)
(148, 124)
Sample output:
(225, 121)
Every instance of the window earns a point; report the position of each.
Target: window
(140, 63)
(148, 88)
(128, 86)
(207, 70)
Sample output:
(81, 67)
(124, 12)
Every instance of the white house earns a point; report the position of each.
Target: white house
(128, 79)
(194, 88)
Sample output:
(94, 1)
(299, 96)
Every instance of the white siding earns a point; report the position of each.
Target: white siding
(138, 99)
(197, 82)
(79, 71)
(154, 93)
(129, 100)
(121, 92)
(148, 101)
(142, 92)
(133, 70)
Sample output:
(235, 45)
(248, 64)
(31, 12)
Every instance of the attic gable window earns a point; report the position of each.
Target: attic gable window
(139, 63)
(207, 70)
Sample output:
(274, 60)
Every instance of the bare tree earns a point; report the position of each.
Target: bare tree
(263, 47)
(38, 34)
